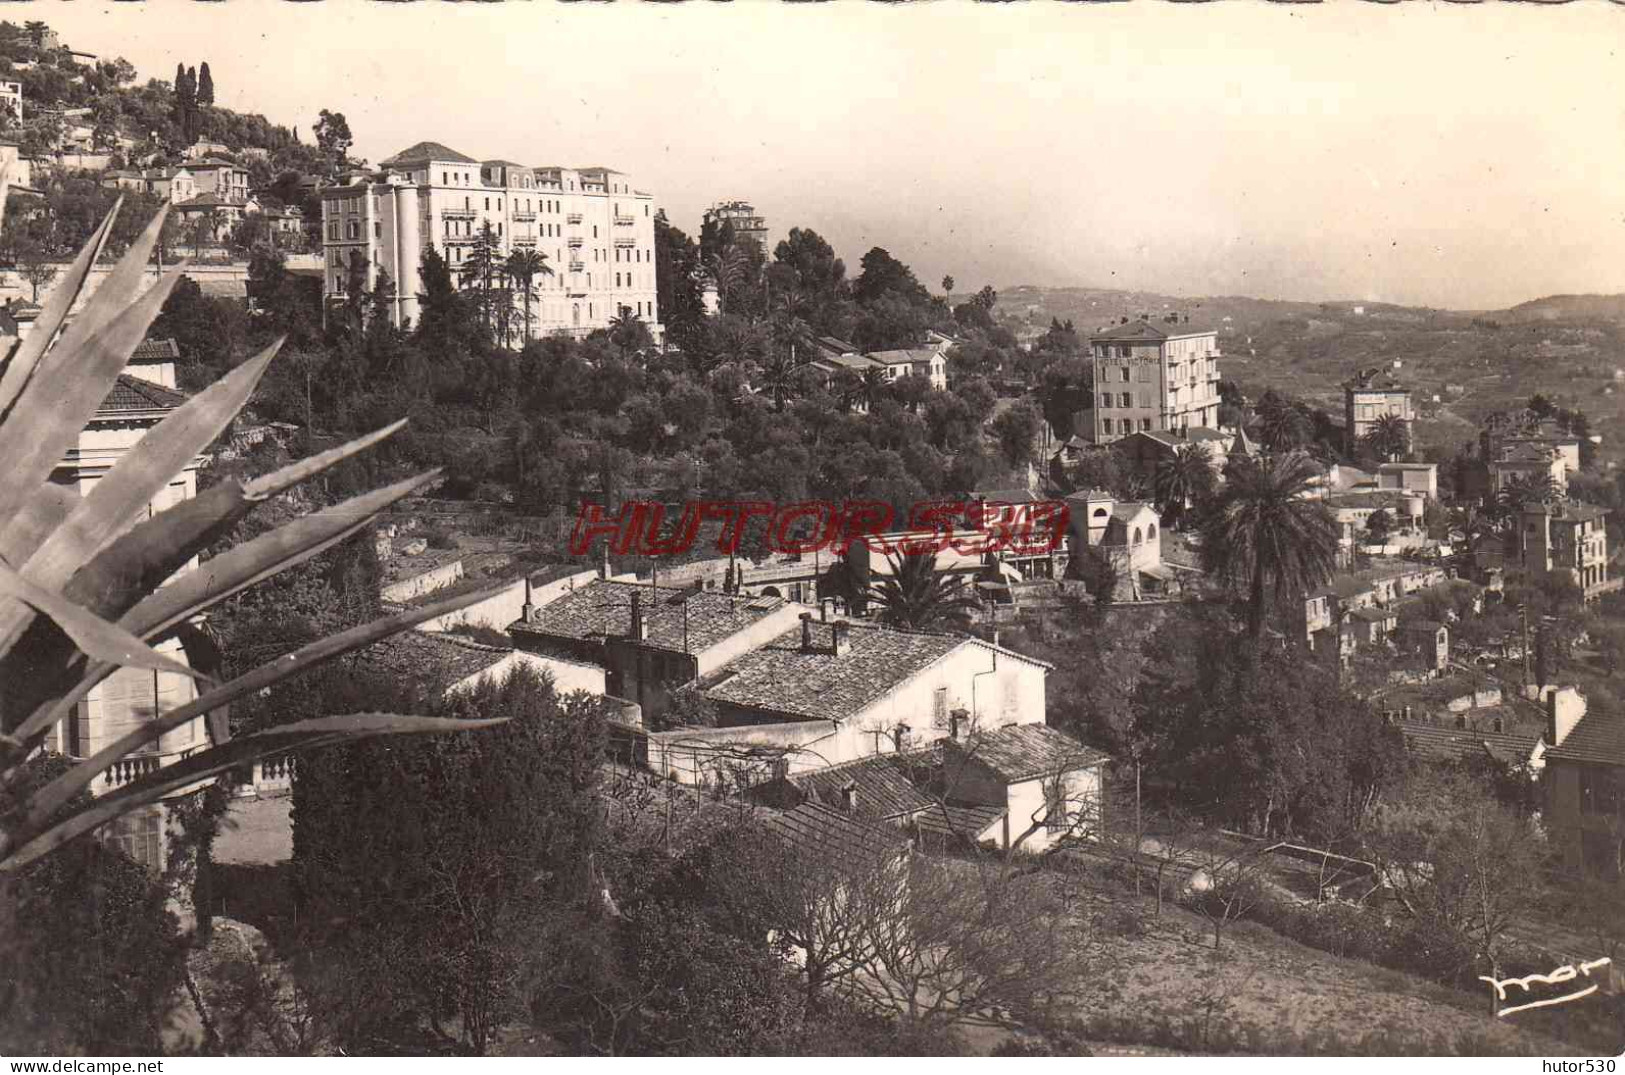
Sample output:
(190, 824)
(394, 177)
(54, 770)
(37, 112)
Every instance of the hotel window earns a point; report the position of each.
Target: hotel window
(377, 229)
(139, 835)
(1145, 424)
(1125, 351)
(1106, 400)
(1123, 374)
(939, 707)
(1126, 399)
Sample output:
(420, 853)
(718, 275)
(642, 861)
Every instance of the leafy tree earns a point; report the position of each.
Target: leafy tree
(677, 268)
(95, 958)
(884, 275)
(1379, 525)
(1263, 536)
(453, 875)
(333, 136)
(1016, 429)
(482, 269)
(35, 269)
(1464, 868)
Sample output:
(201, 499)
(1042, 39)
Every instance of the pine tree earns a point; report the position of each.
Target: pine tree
(205, 86)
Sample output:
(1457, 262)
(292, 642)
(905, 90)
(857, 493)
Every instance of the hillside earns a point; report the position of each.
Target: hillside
(79, 102)
(1569, 347)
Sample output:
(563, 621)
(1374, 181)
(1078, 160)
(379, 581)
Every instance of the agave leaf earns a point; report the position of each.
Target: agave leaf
(46, 510)
(143, 472)
(124, 581)
(260, 558)
(34, 438)
(95, 636)
(56, 794)
(5, 189)
(49, 321)
(56, 405)
(302, 735)
(279, 481)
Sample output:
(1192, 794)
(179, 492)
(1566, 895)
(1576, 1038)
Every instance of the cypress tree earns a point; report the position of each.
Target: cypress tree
(205, 86)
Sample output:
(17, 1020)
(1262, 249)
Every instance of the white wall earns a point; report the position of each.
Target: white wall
(1013, 694)
(567, 676)
(429, 581)
(502, 609)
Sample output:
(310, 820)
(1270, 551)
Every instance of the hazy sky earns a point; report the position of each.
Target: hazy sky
(1460, 155)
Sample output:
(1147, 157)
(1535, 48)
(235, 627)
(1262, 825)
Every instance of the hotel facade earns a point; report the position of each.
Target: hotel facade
(593, 227)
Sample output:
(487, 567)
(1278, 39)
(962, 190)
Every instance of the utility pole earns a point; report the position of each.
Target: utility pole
(1523, 619)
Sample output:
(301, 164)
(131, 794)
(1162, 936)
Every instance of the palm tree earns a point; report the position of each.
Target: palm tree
(917, 597)
(1262, 534)
(627, 333)
(729, 268)
(778, 376)
(1388, 437)
(1183, 481)
(874, 385)
(524, 266)
(1281, 426)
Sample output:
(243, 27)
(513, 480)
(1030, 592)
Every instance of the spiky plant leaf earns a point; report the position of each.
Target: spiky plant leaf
(99, 639)
(145, 470)
(66, 679)
(301, 470)
(55, 795)
(57, 305)
(306, 734)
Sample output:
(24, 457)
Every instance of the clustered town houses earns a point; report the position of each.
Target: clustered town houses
(815, 707)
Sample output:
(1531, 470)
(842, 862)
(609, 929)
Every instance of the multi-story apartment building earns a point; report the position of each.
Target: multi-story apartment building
(143, 396)
(1371, 395)
(594, 228)
(221, 178)
(1148, 379)
(746, 222)
(1565, 536)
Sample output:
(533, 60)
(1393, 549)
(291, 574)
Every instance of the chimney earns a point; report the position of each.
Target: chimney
(1407, 712)
(849, 796)
(843, 637)
(957, 720)
(603, 566)
(1564, 708)
(823, 609)
(1461, 721)
(900, 737)
(527, 611)
(806, 632)
(640, 629)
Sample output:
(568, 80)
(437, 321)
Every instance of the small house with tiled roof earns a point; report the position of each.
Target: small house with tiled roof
(1047, 786)
(435, 664)
(651, 640)
(1585, 784)
(876, 788)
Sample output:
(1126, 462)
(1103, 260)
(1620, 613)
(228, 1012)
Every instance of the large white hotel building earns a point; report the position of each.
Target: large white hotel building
(594, 228)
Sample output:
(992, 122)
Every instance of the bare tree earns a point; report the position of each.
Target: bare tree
(35, 268)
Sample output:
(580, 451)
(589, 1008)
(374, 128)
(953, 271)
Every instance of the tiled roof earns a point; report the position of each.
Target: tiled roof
(132, 394)
(1127, 512)
(201, 201)
(431, 662)
(1526, 452)
(1005, 496)
(1599, 737)
(1373, 615)
(836, 344)
(908, 356)
(820, 685)
(1199, 434)
(1135, 330)
(883, 789)
(424, 152)
(1452, 744)
(953, 821)
(603, 609)
(155, 351)
(812, 828)
(1028, 751)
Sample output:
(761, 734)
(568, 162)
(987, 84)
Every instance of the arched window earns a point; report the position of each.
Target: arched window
(1151, 531)
(1102, 513)
(1137, 536)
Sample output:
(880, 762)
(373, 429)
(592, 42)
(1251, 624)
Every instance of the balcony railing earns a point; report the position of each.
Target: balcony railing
(573, 242)
(626, 241)
(135, 766)
(572, 218)
(577, 266)
(524, 216)
(458, 214)
(625, 221)
(461, 239)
